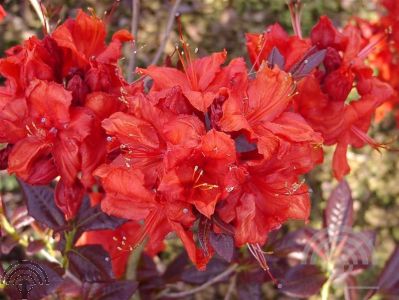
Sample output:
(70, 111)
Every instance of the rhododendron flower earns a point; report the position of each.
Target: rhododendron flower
(115, 242)
(2, 13)
(174, 157)
(196, 82)
(56, 93)
(384, 58)
(83, 40)
(321, 96)
(210, 147)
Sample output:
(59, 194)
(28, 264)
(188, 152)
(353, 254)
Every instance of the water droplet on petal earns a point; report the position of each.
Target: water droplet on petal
(43, 120)
(185, 210)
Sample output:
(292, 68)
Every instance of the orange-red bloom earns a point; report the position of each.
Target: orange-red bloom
(2, 13)
(56, 93)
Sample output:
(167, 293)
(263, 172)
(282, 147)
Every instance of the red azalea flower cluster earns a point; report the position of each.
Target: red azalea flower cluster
(57, 91)
(339, 100)
(2, 13)
(210, 149)
(386, 57)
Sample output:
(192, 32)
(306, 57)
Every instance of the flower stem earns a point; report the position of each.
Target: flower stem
(325, 291)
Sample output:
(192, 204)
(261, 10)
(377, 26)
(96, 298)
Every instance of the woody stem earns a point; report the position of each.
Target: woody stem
(325, 291)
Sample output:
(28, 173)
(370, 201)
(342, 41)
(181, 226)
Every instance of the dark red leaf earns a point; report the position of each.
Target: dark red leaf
(249, 290)
(7, 243)
(121, 290)
(303, 281)
(388, 282)
(308, 64)
(223, 244)
(276, 58)
(176, 267)
(54, 274)
(339, 213)
(193, 276)
(243, 145)
(20, 217)
(41, 206)
(93, 218)
(148, 276)
(90, 263)
(356, 252)
(249, 284)
(34, 247)
(294, 241)
(351, 288)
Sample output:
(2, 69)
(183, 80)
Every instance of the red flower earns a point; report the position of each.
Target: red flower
(83, 40)
(2, 13)
(56, 93)
(262, 113)
(259, 46)
(128, 198)
(196, 82)
(116, 242)
(262, 198)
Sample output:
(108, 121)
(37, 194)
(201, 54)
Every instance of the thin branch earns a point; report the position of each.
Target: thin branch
(68, 273)
(134, 24)
(165, 38)
(215, 279)
(231, 288)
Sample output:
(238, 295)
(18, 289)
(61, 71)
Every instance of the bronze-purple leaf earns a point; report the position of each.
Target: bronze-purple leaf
(20, 217)
(121, 290)
(388, 282)
(149, 277)
(176, 267)
(7, 244)
(223, 244)
(303, 281)
(42, 207)
(93, 218)
(243, 145)
(193, 276)
(249, 290)
(308, 64)
(338, 213)
(34, 247)
(276, 59)
(90, 263)
(351, 288)
(54, 274)
(294, 241)
(249, 284)
(356, 252)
